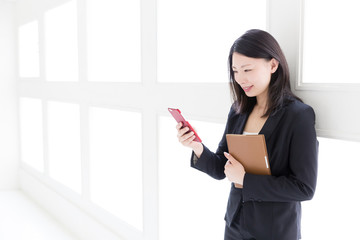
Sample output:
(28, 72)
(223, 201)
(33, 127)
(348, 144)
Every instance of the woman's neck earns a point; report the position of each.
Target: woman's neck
(261, 103)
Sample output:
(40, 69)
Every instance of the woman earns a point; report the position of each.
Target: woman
(264, 207)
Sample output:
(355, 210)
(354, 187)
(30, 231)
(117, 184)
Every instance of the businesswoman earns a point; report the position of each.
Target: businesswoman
(263, 207)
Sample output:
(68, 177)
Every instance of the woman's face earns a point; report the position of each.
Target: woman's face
(253, 74)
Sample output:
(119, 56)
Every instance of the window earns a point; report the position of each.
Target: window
(29, 50)
(331, 44)
(105, 136)
(324, 63)
(116, 163)
(61, 43)
(185, 46)
(64, 144)
(114, 41)
(194, 37)
(186, 195)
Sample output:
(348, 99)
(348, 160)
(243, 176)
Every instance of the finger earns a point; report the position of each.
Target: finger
(231, 159)
(178, 126)
(189, 140)
(186, 136)
(182, 131)
(228, 156)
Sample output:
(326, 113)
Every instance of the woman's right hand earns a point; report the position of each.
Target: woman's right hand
(186, 138)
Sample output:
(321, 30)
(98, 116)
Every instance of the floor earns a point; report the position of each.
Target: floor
(22, 219)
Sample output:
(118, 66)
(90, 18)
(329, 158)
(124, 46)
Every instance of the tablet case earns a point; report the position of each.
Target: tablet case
(251, 152)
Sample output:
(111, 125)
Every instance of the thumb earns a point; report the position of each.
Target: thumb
(228, 156)
(231, 159)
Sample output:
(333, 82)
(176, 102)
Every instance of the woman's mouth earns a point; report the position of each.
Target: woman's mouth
(247, 89)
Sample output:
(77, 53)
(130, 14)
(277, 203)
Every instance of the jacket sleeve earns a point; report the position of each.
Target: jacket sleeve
(213, 163)
(300, 182)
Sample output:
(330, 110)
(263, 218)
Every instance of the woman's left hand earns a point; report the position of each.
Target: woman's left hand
(234, 170)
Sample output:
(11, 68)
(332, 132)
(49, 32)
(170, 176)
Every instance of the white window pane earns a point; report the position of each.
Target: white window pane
(186, 195)
(331, 44)
(114, 40)
(61, 50)
(31, 128)
(29, 50)
(338, 179)
(194, 37)
(64, 144)
(116, 163)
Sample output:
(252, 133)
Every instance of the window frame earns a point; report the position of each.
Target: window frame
(328, 100)
(300, 85)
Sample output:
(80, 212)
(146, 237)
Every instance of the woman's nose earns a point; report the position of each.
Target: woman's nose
(241, 80)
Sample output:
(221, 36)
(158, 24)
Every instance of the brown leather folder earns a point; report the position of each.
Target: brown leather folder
(251, 152)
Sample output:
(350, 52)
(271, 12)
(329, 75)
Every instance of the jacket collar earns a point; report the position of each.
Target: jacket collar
(269, 126)
(272, 122)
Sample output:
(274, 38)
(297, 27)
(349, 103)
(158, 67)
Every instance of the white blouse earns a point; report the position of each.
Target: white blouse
(249, 133)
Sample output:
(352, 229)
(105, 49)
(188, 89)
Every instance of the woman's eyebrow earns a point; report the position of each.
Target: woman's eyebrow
(245, 65)
(242, 66)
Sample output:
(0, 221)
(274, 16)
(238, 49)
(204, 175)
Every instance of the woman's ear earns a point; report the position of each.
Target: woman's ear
(274, 65)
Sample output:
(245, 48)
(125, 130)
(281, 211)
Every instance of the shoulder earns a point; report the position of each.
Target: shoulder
(298, 111)
(297, 107)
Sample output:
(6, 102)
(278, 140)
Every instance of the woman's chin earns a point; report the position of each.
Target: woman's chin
(249, 94)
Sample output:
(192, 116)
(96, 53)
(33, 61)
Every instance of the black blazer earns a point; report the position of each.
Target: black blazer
(271, 204)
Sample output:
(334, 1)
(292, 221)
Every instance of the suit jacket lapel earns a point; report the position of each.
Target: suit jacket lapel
(242, 121)
(271, 123)
(267, 129)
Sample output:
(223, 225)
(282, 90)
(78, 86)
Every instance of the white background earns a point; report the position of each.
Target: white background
(335, 106)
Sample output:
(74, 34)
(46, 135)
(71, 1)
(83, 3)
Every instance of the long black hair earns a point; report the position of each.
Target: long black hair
(260, 44)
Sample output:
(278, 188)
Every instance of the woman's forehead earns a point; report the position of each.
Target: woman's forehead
(241, 61)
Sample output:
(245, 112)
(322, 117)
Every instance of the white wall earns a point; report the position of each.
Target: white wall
(9, 156)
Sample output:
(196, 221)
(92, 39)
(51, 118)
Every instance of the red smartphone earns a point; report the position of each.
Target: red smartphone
(179, 118)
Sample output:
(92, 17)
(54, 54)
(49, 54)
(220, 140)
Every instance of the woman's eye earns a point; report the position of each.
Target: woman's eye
(247, 70)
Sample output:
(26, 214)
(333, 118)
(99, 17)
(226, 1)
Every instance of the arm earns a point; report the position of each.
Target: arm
(210, 163)
(300, 163)
(202, 158)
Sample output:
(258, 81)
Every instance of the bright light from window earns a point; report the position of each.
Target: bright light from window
(31, 128)
(114, 41)
(186, 195)
(29, 50)
(64, 144)
(331, 44)
(116, 163)
(194, 37)
(338, 179)
(61, 47)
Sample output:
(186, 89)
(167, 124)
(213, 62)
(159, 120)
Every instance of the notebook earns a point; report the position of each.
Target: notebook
(250, 151)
